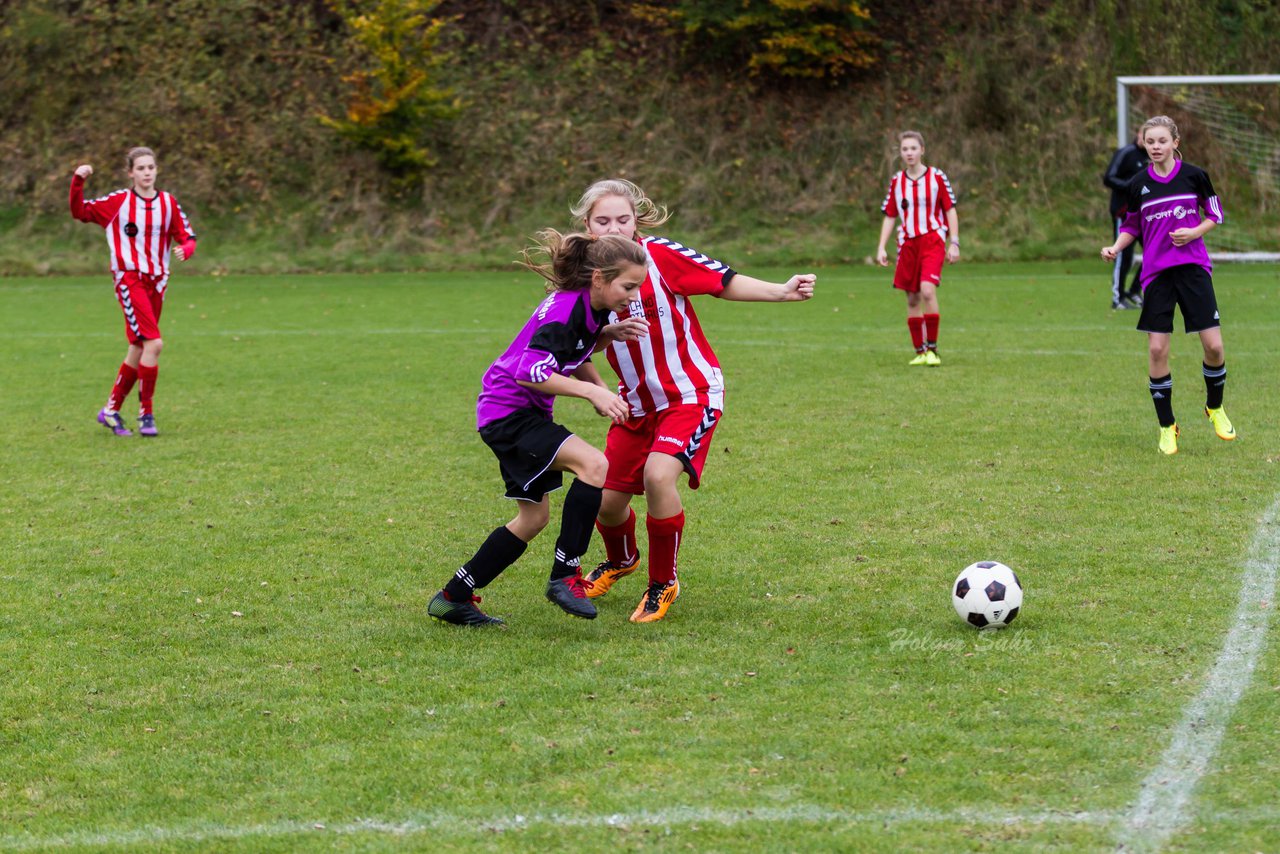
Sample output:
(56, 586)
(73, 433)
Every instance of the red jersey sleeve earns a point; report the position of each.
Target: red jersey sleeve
(180, 231)
(946, 197)
(687, 271)
(890, 205)
(101, 211)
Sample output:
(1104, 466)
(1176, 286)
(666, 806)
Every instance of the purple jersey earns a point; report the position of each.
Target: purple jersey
(1158, 206)
(559, 337)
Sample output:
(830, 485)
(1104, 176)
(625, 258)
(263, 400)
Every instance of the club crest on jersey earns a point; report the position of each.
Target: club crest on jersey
(130, 229)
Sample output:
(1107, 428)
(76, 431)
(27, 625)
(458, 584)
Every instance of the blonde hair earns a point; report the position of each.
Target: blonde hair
(911, 134)
(135, 153)
(647, 213)
(570, 259)
(1161, 122)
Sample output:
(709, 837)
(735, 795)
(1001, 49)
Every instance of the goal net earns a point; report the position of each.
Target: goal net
(1230, 126)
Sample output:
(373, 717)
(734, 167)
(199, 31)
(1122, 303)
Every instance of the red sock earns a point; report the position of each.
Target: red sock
(124, 384)
(664, 545)
(931, 330)
(619, 540)
(146, 386)
(916, 325)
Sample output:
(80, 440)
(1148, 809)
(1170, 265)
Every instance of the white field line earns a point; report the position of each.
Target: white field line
(454, 825)
(1163, 803)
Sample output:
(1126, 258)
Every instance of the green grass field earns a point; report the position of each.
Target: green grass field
(218, 639)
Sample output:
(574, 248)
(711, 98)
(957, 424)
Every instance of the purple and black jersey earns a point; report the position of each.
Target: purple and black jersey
(559, 337)
(1157, 206)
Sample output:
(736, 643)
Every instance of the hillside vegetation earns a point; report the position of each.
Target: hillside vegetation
(402, 134)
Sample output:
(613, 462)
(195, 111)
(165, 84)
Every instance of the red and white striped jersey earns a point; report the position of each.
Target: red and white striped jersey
(674, 363)
(140, 231)
(921, 202)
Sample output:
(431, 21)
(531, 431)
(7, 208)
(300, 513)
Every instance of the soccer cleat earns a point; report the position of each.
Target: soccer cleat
(1221, 423)
(920, 359)
(657, 599)
(1135, 299)
(113, 422)
(147, 425)
(1124, 304)
(600, 579)
(570, 594)
(1169, 439)
(460, 613)
(932, 359)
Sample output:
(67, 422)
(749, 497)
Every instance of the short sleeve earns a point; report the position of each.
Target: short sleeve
(946, 196)
(687, 271)
(1206, 196)
(890, 205)
(548, 352)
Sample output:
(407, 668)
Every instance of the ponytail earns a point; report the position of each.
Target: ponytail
(568, 260)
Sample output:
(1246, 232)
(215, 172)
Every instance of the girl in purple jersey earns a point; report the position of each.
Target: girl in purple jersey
(587, 277)
(1164, 202)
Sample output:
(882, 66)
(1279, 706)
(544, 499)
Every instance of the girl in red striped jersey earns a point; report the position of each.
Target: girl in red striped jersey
(143, 225)
(671, 380)
(921, 195)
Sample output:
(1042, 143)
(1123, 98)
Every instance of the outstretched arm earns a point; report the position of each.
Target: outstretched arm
(1123, 242)
(746, 289)
(606, 403)
(588, 374)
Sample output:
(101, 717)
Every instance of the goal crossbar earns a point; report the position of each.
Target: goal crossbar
(1123, 133)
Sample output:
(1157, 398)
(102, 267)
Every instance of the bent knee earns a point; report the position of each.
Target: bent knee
(594, 470)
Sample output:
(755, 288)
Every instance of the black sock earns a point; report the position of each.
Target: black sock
(1215, 382)
(1162, 397)
(577, 521)
(499, 551)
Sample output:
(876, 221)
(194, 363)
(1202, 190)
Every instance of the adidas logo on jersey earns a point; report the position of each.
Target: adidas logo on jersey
(1145, 189)
(580, 345)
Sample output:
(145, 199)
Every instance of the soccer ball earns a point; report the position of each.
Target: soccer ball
(987, 594)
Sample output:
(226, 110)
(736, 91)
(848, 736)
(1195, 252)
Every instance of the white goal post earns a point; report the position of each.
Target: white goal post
(1230, 124)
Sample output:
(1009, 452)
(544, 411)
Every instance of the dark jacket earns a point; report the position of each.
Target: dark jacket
(1125, 163)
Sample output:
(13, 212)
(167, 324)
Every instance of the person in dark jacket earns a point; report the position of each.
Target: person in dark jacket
(1128, 161)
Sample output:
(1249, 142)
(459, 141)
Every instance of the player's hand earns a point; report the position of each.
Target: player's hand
(953, 253)
(882, 257)
(610, 405)
(799, 287)
(1182, 236)
(1109, 253)
(631, 329)
(84, 171)
(180, 253)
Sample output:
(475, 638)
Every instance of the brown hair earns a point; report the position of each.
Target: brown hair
(911, 134)
(135, 153)
(1161, 122)
(572, 258)
(648, 214)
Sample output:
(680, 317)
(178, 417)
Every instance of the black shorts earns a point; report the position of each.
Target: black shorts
(526, 443)
(1188, 286)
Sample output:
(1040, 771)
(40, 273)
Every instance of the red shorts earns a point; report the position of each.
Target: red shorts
(682, 431)
(919, 260)
(141, 299)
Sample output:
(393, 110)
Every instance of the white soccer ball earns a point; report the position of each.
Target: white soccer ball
(987, 594)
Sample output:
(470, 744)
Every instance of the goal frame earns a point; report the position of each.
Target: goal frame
(1124, 133)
